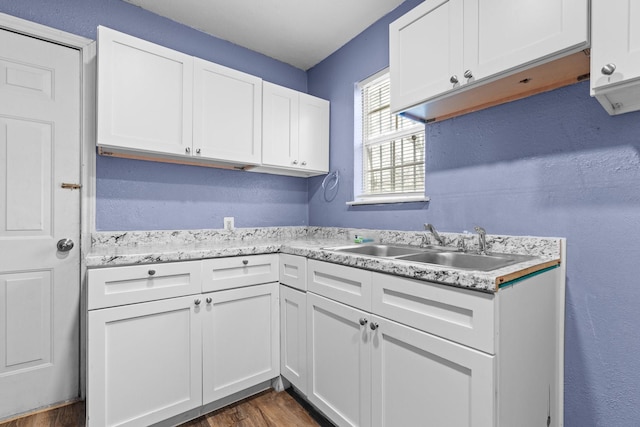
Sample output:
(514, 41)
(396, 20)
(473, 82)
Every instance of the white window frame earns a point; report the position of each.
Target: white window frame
(360, 198)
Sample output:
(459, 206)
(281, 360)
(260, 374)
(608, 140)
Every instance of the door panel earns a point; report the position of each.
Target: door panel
(39, 286)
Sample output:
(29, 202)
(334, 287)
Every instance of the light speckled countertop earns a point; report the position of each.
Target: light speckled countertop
(142, 247)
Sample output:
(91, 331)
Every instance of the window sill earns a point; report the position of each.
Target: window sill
(388, 199)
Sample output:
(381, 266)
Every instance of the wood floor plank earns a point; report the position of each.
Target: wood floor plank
(266, 409)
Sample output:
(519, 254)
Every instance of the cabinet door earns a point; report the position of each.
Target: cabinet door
(501, 35)
(313, 133)
(293, 271)
(615, 40)
(339, 361)
(144, 95)
(227, 117)
(279, 125)
(241, 346)
(421, 379)
(425, 52)
(293, 337)
(144, 362)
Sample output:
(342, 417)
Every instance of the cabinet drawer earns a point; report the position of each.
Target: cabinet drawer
(235, 272)
(293, 271)
(113, 286)
(348, 285)
(460, 315)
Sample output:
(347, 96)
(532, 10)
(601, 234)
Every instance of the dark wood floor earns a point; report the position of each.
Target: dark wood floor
(267, 409)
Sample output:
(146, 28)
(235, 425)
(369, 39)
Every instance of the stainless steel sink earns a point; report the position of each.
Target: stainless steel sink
(378, 250)
(467, 261)
(437, 255)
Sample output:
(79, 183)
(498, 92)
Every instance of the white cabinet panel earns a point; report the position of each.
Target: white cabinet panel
(227, 116)
(293, 337)
(241, 346)
(145, 362)
(345, 284)
(615, 54)
(293, 271)
(420, 379)
(234, 272)
(313, 133)
(339, 361)
(144, 95)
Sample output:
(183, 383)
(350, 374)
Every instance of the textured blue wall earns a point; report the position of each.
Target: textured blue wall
(554, 164)
(137, 195)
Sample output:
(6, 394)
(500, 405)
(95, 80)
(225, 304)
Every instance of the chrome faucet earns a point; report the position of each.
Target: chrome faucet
(482, 239)
(430, 228)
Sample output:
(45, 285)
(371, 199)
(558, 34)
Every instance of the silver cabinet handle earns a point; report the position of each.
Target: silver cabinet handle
(187, 150)
(304, 163)
(608, 69)
(64, 245)
(197, 151)
(373, 326)
(468, 74)
(245, 261)
(209, 300)
(295, 162)
(454, 79)
(363, 321)
(197, 301)
(151, 272)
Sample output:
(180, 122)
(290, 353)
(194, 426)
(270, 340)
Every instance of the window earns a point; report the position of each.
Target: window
(392, 149)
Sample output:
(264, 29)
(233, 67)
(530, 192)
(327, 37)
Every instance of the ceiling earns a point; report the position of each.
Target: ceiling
(298, 32)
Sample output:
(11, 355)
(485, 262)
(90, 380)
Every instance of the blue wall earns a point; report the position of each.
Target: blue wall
(554, 164)
(137, 195)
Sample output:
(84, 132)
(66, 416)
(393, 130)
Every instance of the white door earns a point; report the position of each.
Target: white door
(39, 285)
(339, 361)
(293, 337)
(240, 340)
(313, 133)
(421, 379)
(279, 125)
(145, 362)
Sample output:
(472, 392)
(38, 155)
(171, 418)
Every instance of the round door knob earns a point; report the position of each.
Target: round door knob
(373, 326)
(209, 300)
(454, 79)
(187, 150)
(151, 272)
(64, 245)
(245, 261)
(197, 151)
(468, 74)
(608, 69)
(197, 301)
(363, 321)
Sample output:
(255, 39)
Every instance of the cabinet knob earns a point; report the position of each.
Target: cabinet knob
(373, 326)
(304, 163)
(151, 272)
(454, 79)
(187, 150)
(197, 151)
(608, 69)
(468, 74)
(209, 300)
(245, 261)
(363, 321)
(197, 301)
(295, 162)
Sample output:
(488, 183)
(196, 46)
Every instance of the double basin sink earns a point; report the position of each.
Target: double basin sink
(436, 255)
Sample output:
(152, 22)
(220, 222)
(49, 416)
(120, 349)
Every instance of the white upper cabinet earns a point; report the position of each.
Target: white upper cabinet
(615, 54)
(157, 103)
(295, 132)
(227, 114)
(144, 95)
(444, 46)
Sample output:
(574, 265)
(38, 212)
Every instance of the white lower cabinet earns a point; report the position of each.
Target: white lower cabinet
(144, 362)
(339, 361)
(240, 339)
(293, 337)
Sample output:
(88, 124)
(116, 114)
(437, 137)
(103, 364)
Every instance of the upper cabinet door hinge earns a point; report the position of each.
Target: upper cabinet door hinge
(71, 186)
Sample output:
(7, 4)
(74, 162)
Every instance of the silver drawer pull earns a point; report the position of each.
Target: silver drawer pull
(209, 300)
(151, 272)
(245, 261)
(373, 326)
(197, 301)
(363, 321)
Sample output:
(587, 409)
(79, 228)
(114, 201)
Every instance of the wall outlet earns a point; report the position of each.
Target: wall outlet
(228, 223)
